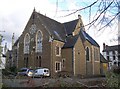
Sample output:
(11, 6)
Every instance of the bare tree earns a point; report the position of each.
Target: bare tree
(103, 7)
(106, 14)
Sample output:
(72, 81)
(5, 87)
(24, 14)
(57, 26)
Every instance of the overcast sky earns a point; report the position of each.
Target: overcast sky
(14, 15)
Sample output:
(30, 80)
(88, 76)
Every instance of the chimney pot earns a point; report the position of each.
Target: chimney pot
(79, 16)
(104, 47)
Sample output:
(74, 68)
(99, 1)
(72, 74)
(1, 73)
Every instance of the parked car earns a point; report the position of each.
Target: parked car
(26, 72)
(42, 72)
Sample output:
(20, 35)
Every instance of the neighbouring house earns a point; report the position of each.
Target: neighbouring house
(112, 54)
(57, 46)
(9, 60)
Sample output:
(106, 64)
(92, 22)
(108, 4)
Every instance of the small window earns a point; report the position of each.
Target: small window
(115, 63)
(113, 57)
(58, 51)
(87, 54)
(113, 52)
(58, 66)
(63, 63)
(108, 58)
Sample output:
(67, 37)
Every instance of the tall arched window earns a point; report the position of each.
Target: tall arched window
(39, 41)
(87, 54)
(26, 43)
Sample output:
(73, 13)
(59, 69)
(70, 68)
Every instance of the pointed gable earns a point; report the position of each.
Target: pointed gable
(54, 28)
(70, 26)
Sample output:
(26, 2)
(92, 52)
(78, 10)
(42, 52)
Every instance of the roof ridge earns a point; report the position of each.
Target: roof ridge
(70, 21)
(48, 17)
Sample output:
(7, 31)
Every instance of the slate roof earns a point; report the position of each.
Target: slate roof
(70, 26)
(60, 30)
(70, 41)
(89, 38)
(83, 35)
(54, 28)
(111, 48)
(16, 42)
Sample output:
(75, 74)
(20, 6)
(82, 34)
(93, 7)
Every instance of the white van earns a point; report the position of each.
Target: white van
(42, 72)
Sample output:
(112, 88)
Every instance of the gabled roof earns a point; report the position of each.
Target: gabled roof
(16, 42)
(53, 27)
(70, 26)
(82, 35)
(102, 59)
(89, 38)
(111, 48)
(70, 41)
(59, 31)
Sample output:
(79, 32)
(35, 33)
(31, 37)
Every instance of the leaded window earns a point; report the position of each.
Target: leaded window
(26, 44)
(39, 41)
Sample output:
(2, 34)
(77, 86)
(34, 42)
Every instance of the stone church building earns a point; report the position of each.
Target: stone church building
(57, 46)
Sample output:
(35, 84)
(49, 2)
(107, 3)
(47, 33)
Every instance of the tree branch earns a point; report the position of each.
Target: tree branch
(110, 21)
(93, 22)
(81, 9)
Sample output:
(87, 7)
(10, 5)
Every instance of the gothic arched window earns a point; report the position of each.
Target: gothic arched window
(39, 41)
(87, 54)
(26, 43)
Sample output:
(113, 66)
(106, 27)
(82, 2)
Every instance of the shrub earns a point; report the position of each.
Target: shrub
(113, 78)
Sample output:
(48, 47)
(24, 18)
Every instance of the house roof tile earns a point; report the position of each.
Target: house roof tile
(53, 27)
(70, 41)
(89, 38)
(111, 48)
(70, 26)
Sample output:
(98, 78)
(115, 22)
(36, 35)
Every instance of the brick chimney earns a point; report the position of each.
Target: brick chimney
(104, 46)
(79, 16)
